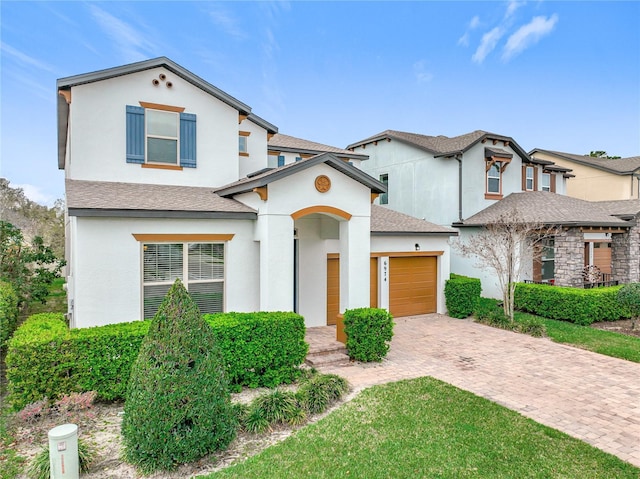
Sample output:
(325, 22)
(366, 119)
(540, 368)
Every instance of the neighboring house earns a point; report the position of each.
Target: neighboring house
(168, 177)
(446, 180)
(579, 225)
(597, 179)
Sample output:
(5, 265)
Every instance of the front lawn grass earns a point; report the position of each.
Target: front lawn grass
(597, 340)
(427, 428)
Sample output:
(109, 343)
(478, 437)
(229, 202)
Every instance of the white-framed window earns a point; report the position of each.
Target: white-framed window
(162, 136)
(548, 258)
(384, 197)
(529, 179)
(200, 267)
(242, 144)
(546, 182)
(493, 178)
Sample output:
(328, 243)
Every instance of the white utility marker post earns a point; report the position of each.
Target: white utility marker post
(63, 452)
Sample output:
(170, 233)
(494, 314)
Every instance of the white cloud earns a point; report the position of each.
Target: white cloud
(473, 24)
(512, 6)
(132, 44)
(528, 35)
(34, 193)
(421, 73)
(227, 22)
(25, 59)
(487, 44)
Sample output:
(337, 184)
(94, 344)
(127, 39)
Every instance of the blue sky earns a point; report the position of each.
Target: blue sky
(550, 74)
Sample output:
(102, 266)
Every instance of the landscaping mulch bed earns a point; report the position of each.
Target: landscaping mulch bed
(624, 326)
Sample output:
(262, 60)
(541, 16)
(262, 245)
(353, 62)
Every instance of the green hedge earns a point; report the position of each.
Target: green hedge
(46, 359)
(461, 295)
(8, 312)
(580, 306)
(260, 349)
(368, 331)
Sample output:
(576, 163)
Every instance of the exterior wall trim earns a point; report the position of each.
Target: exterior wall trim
(182, 238)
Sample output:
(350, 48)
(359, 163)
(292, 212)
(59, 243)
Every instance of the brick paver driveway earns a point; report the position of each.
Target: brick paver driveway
(589, 396)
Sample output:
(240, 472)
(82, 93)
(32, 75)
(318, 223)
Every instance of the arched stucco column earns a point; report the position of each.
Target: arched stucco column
(355, 251)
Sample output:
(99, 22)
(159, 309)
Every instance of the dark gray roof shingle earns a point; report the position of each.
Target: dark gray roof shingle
(291, 143)
(103, 195)
(387, 221)
(620, 166)
(548, 208)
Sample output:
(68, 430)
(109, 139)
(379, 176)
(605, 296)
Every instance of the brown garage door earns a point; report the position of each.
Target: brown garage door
(333, 287)
(412, 285)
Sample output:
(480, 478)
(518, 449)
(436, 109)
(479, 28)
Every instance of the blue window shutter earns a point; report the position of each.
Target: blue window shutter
(135, 134)
(187, 140)
(298, 158)
(280, 160)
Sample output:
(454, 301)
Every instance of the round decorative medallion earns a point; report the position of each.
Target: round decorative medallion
(323, 183)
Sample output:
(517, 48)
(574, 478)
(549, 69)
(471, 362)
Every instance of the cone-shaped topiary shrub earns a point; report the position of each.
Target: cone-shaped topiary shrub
(178, 406)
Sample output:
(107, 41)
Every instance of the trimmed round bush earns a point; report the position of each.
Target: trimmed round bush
(369, 332)
(178, 406)
(629, 297)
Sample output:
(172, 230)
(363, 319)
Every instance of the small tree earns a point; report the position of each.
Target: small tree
(29, 268)
(178, 406)
(629, 297)
(503, 245)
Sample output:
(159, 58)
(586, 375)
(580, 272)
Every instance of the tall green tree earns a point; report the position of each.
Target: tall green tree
(602, 154)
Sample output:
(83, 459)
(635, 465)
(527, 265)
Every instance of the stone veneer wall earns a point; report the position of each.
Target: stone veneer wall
(625, 256)
(569, 257)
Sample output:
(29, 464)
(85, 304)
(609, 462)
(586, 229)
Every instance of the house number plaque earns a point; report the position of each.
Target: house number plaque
(323, 183)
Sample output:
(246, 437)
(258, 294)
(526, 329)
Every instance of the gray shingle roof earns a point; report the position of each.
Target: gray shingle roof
(621, 207)
(620, 166)
(266, 176)
(138, 199)
(441, 145)
(385, 221)
(548, 208)
(299, 145)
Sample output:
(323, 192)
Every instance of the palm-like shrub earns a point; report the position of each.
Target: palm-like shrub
(178, 406)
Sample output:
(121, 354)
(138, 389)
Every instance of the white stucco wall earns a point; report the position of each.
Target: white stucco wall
(97, 141)
(257, 149)
(106, 278)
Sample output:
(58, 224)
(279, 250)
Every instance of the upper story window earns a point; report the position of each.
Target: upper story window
(529, 178)
(160, 136)
(243, 143)
(494, 177)
(384, 197)
(546, 182)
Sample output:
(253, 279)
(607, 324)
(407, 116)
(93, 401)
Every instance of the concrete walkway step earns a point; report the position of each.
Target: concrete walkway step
(334, 358)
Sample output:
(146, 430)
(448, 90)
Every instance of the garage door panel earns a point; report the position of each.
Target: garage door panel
(412, 285)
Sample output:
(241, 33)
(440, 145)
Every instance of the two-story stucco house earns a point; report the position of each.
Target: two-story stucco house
(465, 181)
(169, 177)
(597, 179)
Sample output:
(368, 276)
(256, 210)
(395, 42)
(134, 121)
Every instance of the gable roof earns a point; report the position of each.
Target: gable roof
(441, 145)
(67, 83)
(621, 166)
(268, 175)
(387, 222)
(139, 200)
(550, 209)
(298, 145)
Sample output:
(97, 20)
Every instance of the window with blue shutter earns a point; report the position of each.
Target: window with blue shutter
(280, 160)
(138, 135)
(187, 140)
(298, 158)
(135, 134)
